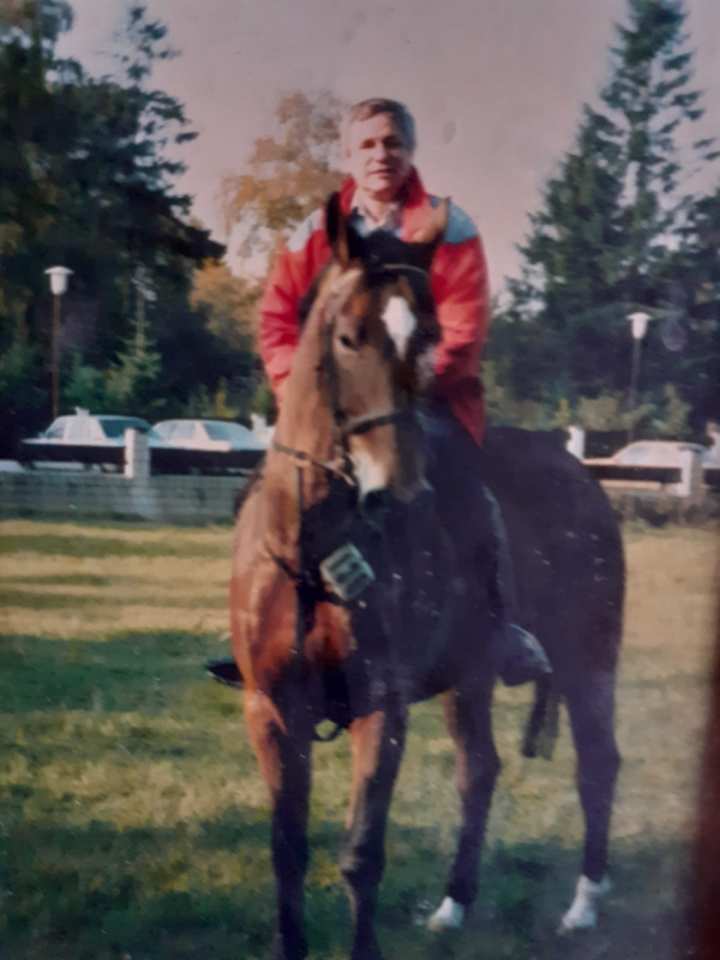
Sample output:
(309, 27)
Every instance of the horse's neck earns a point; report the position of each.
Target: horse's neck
(305, 424)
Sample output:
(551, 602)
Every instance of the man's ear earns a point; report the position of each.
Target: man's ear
(433, 231)
(337, 230)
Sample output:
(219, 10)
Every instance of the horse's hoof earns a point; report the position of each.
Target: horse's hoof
(583, 912)
(296, 950)
(369, 950)
(448, 916)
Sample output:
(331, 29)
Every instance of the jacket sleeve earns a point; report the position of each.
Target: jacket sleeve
(291, 276)
(279, 332)
(460, 287)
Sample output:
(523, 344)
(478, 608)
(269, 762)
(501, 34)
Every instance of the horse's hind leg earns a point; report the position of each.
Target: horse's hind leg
(592, 712)
(283, 747)
(476, 769)
(377, 747)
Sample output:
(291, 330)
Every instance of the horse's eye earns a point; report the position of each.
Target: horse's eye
(347, 342)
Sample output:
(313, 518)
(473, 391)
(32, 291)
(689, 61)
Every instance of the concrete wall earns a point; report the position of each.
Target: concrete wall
(162, 499)
(135, 494)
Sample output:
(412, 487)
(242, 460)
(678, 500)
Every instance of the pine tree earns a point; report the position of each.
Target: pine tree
(649, 100)
(604, 242)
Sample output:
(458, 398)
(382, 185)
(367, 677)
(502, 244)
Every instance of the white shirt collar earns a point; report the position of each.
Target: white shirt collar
(391, 221)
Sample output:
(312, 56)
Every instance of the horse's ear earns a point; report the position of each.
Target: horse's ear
(433, 230)
(337, 229)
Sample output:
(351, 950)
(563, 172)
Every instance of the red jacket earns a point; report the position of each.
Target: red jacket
(458, 279)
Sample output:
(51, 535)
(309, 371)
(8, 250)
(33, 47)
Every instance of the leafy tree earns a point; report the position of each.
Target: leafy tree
(86, 179)
(288, 175)
(84, 386)
(229, 303)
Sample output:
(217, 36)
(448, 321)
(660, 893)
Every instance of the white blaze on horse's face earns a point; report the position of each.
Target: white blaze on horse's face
(370, 472)
(400, 322)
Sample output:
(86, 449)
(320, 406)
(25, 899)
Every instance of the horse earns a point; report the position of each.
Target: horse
(348, 601)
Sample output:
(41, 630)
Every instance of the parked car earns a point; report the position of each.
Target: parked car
(84, 428)
(216, 435)
(668, 454)
(654, 453)
(83, 439)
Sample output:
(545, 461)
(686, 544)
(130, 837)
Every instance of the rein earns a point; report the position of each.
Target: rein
(337, 467)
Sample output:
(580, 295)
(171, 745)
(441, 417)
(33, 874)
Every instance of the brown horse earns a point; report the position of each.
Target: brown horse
(348, 600)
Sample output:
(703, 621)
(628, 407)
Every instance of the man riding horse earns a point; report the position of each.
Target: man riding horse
(358, 588)
(386, 205)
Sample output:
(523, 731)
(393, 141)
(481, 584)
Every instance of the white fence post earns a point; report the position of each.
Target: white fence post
(137, 456)
(576, 442)
(691, 468)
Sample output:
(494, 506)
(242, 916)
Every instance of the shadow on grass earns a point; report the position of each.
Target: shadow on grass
(72, 888)
(157, 894)
(98, 892)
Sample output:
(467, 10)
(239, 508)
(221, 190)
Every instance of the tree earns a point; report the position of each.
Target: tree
(87, 180)
(605, 240)
(288, 174)
(229, 303)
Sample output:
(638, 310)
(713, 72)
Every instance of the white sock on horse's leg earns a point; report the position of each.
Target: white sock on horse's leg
(448, 916)
(583, 911)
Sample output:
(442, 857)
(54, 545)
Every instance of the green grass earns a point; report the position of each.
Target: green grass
(133, 823)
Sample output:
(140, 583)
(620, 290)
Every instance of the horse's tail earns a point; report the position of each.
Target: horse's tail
(541, 729)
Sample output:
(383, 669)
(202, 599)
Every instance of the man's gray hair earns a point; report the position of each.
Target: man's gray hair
(402, 118)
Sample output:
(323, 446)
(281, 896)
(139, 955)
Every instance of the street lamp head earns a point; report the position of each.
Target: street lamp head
(58, 279)
(638, 324)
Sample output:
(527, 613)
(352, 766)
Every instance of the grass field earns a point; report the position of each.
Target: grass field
(133, 824)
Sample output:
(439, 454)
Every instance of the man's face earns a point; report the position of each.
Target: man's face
(377, 157)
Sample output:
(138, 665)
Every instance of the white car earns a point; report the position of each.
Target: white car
(669, 454)
(200, 434)
(654, 453)
(84, 440)
(89, 429)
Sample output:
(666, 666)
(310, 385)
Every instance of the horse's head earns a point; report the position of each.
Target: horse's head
(379, 329)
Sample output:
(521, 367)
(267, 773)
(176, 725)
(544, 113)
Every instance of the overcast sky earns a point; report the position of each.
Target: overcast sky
(496, 85)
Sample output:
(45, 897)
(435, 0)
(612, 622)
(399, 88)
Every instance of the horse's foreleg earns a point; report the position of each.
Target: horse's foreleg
(377, 746)
(282, 746)
(591, 711)
(476, 769)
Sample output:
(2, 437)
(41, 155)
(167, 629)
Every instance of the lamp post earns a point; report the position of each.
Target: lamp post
(58, 285)
(638, 327)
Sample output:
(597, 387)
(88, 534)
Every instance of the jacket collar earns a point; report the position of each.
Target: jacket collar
(414, 199)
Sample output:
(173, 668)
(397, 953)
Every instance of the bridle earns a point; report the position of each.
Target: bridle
(341, 465)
